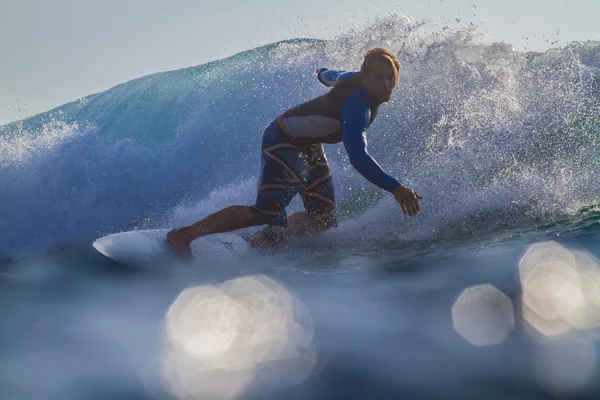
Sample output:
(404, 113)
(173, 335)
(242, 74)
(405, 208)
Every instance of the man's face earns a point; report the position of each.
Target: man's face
(380, 81)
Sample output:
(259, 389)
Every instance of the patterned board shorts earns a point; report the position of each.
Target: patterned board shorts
(287, 170)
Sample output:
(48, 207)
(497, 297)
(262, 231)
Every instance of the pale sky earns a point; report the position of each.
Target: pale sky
(56, 51)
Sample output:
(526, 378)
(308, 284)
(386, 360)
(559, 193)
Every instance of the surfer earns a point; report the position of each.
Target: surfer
(293, 160)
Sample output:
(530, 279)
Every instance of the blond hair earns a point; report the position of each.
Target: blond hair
(380, 55)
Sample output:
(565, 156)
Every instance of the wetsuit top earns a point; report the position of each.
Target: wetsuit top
(342, 114)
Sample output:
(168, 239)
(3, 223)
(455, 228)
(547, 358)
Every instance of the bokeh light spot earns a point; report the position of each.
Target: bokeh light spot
(223, 341)
(483, 315)
(560, 290)
(541, 252)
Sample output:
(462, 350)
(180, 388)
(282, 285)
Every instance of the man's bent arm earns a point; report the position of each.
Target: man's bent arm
(356, 116)
(329, 77)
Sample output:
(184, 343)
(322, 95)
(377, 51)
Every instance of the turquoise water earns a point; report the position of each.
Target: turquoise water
(503, 145)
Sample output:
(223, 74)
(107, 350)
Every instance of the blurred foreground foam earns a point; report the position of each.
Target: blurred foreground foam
(559, 308)
(246, 334)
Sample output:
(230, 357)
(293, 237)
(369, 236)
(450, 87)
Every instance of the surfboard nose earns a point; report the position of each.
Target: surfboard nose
(100, 246)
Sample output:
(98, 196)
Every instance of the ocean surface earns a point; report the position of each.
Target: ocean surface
(491, 292)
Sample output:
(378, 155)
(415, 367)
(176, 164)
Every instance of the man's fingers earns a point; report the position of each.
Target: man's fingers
(410, 207)
(413, 209)
(403, 206)
(417, 206)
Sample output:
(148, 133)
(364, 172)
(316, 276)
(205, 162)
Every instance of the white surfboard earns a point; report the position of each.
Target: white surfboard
(147, 246)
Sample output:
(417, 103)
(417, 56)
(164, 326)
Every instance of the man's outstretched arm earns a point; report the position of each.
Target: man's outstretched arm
(356, 115)
(330, 78)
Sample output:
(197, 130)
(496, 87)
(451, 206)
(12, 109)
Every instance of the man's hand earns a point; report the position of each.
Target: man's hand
(408, 200)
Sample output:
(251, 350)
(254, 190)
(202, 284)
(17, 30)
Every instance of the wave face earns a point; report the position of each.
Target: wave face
(483, 132)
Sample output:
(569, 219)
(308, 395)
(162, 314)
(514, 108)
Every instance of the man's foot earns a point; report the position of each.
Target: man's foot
(179, 245)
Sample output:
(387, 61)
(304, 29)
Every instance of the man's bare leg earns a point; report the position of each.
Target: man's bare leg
(226, 220)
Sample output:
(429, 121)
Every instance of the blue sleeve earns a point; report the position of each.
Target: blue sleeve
(355, 116)
(331, 77)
